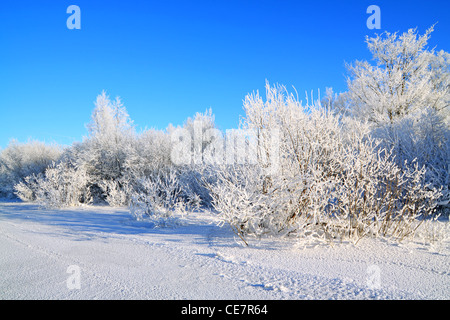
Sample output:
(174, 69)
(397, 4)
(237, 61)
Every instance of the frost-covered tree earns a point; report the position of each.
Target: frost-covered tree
(151, 153)
(405, 78)
(191, 141)
(335, 103)
(111, 137)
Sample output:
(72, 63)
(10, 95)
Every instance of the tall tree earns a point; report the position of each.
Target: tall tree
(407, 76)
(111, 134)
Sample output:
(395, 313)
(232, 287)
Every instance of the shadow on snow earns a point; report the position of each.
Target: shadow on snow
(99, 221)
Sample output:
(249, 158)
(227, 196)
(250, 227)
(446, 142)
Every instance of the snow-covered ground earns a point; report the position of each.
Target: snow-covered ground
(43, 253)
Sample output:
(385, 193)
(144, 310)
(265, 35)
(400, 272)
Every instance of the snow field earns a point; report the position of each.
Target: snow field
(120, 258)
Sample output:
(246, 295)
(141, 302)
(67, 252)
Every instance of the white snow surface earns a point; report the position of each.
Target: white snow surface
(121, 258)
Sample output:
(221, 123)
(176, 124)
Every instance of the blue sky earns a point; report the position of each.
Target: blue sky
(169, 59)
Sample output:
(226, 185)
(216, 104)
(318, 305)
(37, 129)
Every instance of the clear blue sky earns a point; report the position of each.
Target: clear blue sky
(170, 59)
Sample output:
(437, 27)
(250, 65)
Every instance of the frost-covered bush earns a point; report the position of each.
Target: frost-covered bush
(26, 190)
(159, 197)
(117, 193)
(240, 199)
(19, 160)
(424, 138)
(61, 185)
(375, 196)
(331, 178)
